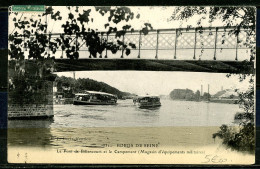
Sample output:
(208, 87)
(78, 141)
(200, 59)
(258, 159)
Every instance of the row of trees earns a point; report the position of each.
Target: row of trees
(81, 84)
(187, 94)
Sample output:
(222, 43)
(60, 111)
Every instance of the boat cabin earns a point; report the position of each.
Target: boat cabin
(147, 101)
(95, 98)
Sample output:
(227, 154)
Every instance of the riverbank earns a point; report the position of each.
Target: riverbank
(224, 101)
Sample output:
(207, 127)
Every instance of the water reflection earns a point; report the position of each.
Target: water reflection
(29, 132)
(166, 136)
(30, 123)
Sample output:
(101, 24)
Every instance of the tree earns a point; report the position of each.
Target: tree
(197, 95)
(186, 94)
(240, 18)
(33, 34)
(77, 24)
(206, 96)
(82, 84)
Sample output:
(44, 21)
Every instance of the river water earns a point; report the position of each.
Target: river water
(176, 125)
(126, 114)
(193, 123)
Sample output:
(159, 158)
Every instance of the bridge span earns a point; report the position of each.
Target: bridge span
(154, 65)
(212, 49)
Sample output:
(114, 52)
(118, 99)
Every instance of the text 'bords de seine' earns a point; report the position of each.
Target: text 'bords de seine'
(138, 145)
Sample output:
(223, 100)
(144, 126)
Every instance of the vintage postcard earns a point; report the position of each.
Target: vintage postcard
(131, 84)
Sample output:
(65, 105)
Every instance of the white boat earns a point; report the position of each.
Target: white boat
(94, 98)
(147, 101)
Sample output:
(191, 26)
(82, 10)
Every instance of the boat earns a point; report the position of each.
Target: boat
(94, 98)
(147, 101)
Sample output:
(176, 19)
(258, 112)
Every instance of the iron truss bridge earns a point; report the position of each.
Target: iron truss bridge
(212, 49)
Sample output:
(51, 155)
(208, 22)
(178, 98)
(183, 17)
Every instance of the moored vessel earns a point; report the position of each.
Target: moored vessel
(147, 101)
(94, 98)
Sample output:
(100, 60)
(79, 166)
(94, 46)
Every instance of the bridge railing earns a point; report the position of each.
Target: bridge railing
(181, 44)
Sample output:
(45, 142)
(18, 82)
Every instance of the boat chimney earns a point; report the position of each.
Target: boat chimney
(208, 91)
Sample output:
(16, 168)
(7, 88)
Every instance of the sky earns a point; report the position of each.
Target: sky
(158, 16)
(161, 82)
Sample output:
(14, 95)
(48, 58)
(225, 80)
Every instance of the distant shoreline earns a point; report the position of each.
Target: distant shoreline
(225, 101)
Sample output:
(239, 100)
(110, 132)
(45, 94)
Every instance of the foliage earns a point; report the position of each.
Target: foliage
(32, 34)
(206, 96)
(238, 138)
(26, 88)
(237, 17)
(197, 95)
(187, 94)
(243, 138)
(82, 84)
(76, 26)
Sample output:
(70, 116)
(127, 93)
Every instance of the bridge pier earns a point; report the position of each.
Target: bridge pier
(30, 94)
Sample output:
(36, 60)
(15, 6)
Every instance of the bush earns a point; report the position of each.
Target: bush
(240, 138)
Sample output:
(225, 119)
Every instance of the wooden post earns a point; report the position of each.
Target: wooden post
(216, 36)
(106, 48)
(175, 45)
(157, 40)
(76, 42)
(237, 45)
(140, 41)
(101, 40)
(122, 56)
(195, 42)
